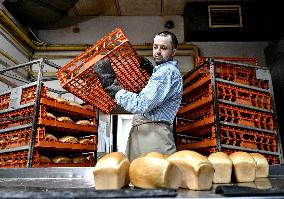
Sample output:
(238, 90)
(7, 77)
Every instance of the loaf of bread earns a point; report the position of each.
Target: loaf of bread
(50, 136)
(244, 166)
(75, 104)
(85, 141)
(156, 155)
(43, 158)
(61, 159)
(50, 115)
(83, 122)
(62, 100)
(79, 159)
(65, 119)
(111, 171)
(262, 166)
(154, 171)
(68, 139)
(197, 171)
(222, 165)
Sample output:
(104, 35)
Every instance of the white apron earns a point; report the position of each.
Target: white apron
(148, 136)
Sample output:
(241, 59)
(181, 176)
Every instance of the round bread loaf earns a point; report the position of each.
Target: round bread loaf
(62, 100)
(75, 104)
(80, 159)
(61, 159)
(86, 141)
(153, 171)
(43, 158)
(50, 136)
(65, 119)
(83, 122)
(68, 139)
(50, 115)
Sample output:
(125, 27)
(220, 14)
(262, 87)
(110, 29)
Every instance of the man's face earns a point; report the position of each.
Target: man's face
(162, 49)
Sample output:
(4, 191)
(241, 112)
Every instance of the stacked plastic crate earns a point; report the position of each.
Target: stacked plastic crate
(228, 106)
(27, 144)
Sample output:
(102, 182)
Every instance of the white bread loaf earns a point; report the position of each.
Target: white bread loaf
(197, 171)
(262, 166)
(244, 166)
(111, 171)
(154, 172)
(156, 155)
(223, 166)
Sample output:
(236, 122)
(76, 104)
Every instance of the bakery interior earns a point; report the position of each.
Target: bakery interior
(56, 124)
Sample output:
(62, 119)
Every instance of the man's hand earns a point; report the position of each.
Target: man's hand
(113, 89)
(105, 72)
(146, 65)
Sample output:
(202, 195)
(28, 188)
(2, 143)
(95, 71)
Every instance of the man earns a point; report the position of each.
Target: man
(155, 107)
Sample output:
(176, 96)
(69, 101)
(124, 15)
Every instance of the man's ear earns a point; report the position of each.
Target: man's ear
(174, 52)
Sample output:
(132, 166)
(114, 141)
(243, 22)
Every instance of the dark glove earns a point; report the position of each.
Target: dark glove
(113, 89)
(105, 72)
(146, 65)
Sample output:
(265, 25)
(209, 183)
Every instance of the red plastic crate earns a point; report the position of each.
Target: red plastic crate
(21, 137)
(24, 115)
(243, 60)
(78, 76)
(227, 71)
(19, 160)
(204, 114)
(27, 96)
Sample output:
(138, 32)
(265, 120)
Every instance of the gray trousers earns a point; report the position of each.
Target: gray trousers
(147, 136)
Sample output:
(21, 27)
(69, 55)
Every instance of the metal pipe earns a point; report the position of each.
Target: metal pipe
(35, 47)
(20, 66)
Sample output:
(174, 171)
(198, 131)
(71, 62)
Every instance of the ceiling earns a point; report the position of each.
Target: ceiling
(43, 13)
(262, 20)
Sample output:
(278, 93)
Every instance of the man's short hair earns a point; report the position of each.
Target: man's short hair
(172, 35)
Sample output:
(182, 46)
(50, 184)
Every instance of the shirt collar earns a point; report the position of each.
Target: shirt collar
(166, 63)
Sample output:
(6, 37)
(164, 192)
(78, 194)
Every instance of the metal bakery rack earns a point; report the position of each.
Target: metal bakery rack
(24, 125)
(229, 106)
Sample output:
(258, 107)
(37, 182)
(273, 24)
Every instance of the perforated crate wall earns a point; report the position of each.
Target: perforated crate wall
(228, 71)
(78, 76)
(21, 137)
(25, 95)
(18, 159)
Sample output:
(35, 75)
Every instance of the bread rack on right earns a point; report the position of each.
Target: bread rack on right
(229, 106)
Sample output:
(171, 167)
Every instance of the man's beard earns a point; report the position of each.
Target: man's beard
(163, 61)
